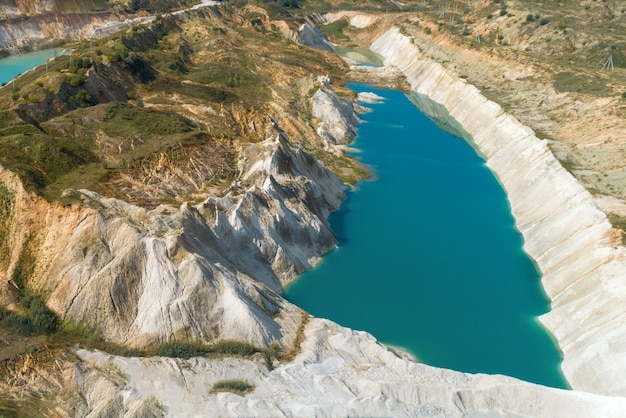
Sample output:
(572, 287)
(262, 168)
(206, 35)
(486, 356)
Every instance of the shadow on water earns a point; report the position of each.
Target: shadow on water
(337, 219)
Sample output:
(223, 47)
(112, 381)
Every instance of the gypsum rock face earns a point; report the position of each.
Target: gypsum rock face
(308, 34)
(208, 271)
(340, 372)
(582, 264)
(22, 33)
(12, 9)
(48, 24)
(337, 119)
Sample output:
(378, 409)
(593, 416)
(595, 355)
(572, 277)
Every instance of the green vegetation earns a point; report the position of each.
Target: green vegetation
(6, 211)
(237, 386)
(619, 222)
(121, 118)
(27, 407)
(182, 349)
(113, 108)
(346, 168)
(567, 81)
(334, 30)
(38, 158)
(187, 349)
(232, 76)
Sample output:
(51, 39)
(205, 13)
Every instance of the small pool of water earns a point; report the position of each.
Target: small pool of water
(14, 65)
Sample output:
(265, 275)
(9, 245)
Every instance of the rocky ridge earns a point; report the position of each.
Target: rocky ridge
(210, 271)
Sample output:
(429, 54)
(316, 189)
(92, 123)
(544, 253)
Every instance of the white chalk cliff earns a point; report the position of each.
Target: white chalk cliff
(337, 120)
(582, 263)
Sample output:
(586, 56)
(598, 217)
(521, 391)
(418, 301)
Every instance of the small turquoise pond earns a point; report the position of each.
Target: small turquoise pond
(19, 64)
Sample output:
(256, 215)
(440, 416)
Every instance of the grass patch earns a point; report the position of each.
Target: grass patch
(237, 386)
(28, 406)
(580, 83)
(334, 30)
(71, 333)
(182, 349)
(344, 167)
(40, 159)
(296, 347)
(188, 349)
(619, 222)
(169, 85)
(234, 76)
(122, 118)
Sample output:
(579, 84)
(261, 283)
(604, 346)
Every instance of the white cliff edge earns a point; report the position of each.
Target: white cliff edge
(340, 372)
(582, 264)
(337, 120)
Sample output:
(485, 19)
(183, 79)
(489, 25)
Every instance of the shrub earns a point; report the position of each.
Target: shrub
(77, 80)
(240, 387)
(17, 323)
(427, 30)
(238, 348)
(43, 319)
(187, 349)
(530, 17)
(544, 21)
(82, 95)
(181, 349)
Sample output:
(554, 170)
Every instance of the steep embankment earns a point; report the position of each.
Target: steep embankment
(95, 190)
(577, 251)
(207, 271)
(19, 34)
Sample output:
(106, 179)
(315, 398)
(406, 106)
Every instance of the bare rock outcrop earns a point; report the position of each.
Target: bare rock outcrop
(207, 271)
(309, 34)
(337, 119)
(17, 34)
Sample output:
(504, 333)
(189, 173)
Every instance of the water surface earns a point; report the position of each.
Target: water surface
(429, 258)
(18, 64)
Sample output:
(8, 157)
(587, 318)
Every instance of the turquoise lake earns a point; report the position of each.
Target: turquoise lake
(429, 257)
(19, 64)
